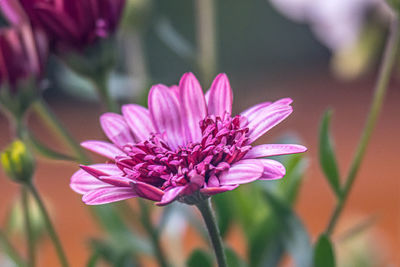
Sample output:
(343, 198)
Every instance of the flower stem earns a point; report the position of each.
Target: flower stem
(101, 85)
(10, 250)
(213, 231)
(153, 234)
(49, 226)
(382, 83)
(206, 39)
(51, 120)
(28, 228)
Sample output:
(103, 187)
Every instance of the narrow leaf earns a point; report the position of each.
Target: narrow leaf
(199, 258)
(232, 259)
(324, 255)
(327, 155)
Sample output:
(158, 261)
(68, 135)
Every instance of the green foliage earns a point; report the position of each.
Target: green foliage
(327, 155)
(104, 251)
(199, 258)
(324, 254)
(232, 259)
(280, 232)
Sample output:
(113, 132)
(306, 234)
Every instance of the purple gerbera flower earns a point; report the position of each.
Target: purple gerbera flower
(187, 146)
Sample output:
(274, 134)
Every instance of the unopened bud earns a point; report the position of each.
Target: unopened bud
(18, 163)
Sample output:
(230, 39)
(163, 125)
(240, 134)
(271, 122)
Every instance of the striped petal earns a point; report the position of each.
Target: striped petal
(220, 96)
(83, 182)
(216, 190)
(139, 120)
(250, 112)
(268, 150)
(272, 169)
(243, 171)
(171, 195)
(108, 194)
(103, 148)
(116, 129)
(165, 114)
(193, 106)
(266, 118)
(147, 191)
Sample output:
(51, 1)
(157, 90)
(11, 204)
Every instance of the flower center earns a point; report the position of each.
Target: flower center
(223, 143)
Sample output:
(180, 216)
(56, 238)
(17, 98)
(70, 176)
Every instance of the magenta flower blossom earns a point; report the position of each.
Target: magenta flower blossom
(23, 51)
(187, 146)
(73, 23)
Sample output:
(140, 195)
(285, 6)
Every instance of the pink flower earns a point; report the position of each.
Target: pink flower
(74, 23)
(23, 52)
(185, 147)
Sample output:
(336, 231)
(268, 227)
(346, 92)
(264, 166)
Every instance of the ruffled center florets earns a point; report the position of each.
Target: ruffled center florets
(223, 143)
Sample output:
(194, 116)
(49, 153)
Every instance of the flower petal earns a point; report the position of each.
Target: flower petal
(139, 120)
(108, 194)
(147, 191)
(165, 113)
(272, 169)
(268, 150)
(193, 106)
(82, 182)
(116, 129)
(243, 171)
(266, 118)
(220, 96)
(171, 195)
(103, 148)
(250, 112)
(216, 190)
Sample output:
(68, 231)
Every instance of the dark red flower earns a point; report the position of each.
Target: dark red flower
(74, 23)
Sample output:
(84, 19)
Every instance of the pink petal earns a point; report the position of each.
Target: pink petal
(220, 96)
(13, 12)
(138, 119)
(165, 113)
(171, 195)
(108, 194)
(243, 171)
(216, 190)
(250, 112)
(266, 118)
(194, 107)
(147, 191)
(272, 170)
(284, 101)
(83, 182)
(116, 129)
(268, 150)
(103, 148)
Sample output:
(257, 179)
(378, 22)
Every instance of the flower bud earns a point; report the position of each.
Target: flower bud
(18, 162)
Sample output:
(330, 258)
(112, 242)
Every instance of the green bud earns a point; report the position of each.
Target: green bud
(18, 162)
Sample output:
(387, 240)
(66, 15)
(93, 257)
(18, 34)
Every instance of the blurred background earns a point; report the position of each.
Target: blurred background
(269, 52)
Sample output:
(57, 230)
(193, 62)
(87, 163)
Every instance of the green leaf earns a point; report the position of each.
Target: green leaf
(233, 260)
(324, 255)
(46, 151)
(281, 232)
(199, 258)
(327, 155)
(224, 212)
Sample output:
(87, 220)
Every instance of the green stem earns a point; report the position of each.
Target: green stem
(153, 233)
(28, 228)
(206, 39)
(101, 85)
(382, 83)
(52, 233)
(10, 250)
(213, 231)
(51, 120)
